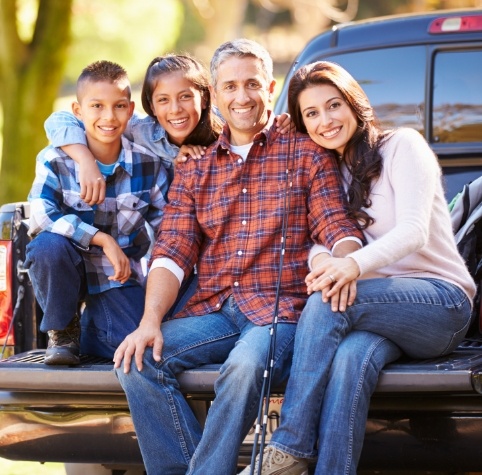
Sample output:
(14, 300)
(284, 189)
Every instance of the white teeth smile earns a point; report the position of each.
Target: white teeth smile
(107, 129)
(178, 122)
(242, 111)
(331, 133)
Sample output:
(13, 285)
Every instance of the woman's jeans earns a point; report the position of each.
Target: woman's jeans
(169, 434)
(338, 357)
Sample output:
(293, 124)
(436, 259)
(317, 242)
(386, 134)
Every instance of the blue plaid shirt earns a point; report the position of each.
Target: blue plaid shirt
(135, 195)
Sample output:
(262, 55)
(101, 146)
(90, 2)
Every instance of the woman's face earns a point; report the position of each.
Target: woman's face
(328, 118)
(178, 105)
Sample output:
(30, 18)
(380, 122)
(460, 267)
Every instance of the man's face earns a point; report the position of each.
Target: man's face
(243, 95)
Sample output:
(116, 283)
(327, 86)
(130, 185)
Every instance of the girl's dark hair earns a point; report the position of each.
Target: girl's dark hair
(210, 125)
(361, 154)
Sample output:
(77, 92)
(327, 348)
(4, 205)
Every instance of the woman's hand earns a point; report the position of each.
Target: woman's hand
(186, 151)
(336, 279)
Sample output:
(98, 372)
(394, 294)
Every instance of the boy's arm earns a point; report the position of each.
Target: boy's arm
(64, 130)
(46, 212)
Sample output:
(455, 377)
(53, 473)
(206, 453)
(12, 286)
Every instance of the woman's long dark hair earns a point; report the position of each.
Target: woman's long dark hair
(361, 154)
(210, 125)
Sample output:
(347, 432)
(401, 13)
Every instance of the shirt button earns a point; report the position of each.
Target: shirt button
(261, 144)
(243, 222)
(283, 318)
(227, 151)
(240, 253)
(218, 305)
(240, 160)
(236, 284)
(245, 190)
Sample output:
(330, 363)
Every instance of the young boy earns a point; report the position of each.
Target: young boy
(92, 254)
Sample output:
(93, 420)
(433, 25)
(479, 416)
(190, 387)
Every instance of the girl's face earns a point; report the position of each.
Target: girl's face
(178, 105)
(328, 118)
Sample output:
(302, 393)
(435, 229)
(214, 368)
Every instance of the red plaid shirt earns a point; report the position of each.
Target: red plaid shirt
(225, 215)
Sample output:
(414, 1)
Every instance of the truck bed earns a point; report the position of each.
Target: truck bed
(60, 413)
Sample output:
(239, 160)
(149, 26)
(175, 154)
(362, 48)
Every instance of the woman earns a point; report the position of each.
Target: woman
(407, 290)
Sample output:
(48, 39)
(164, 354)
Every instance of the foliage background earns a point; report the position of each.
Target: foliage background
(39, 66)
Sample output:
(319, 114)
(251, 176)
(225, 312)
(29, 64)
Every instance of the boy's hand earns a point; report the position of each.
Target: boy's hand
(186, 151)
(284, 123)
(116, 256)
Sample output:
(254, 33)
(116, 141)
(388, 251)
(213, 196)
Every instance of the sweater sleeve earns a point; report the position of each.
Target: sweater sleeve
(409, 176)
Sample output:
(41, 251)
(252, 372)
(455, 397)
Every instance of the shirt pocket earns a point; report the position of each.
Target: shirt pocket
(132, 209)
(75, 204)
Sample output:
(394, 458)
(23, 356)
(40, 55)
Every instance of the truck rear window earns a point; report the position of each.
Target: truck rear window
(457, 96)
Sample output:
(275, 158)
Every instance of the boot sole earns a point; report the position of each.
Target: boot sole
(61, 356)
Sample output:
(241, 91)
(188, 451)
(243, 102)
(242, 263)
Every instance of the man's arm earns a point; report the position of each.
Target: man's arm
(162, 289)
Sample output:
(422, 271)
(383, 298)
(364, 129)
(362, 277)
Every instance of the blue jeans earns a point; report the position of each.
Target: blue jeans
(170, 438)
(56, 269)
(338, 357)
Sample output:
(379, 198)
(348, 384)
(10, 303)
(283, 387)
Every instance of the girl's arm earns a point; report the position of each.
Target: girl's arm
(65, 131)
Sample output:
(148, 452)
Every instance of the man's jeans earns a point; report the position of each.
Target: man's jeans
(338, 357)
(56, 269)
(169, 435)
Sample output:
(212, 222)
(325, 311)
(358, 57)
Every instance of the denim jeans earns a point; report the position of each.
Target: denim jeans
(170, 437)
(338, 357)
(56, 269)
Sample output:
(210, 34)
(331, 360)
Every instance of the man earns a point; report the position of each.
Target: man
(225, 215)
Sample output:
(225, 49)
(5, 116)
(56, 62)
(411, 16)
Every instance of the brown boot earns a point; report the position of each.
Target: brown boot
(64, 345)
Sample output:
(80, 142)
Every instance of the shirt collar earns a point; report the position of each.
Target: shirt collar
(267, 134)
(124, 160)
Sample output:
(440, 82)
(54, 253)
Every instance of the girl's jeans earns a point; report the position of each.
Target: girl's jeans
(338, 357)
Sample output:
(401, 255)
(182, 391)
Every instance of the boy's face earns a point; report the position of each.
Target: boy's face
(105, 109)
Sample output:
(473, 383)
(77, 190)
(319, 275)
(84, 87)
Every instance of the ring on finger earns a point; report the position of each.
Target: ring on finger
(332, 278)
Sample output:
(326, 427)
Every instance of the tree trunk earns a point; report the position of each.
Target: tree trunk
(30, 78)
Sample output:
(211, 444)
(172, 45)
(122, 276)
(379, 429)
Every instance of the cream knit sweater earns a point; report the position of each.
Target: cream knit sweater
(412, 233)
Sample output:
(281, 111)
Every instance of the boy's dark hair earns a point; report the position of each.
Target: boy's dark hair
(103, 71)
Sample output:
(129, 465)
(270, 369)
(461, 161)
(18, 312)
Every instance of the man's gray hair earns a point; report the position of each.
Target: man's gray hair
(241, 48)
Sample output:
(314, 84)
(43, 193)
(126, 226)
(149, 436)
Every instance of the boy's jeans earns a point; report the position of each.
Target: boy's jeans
(338, 357)
(56, 269)
(169, 435)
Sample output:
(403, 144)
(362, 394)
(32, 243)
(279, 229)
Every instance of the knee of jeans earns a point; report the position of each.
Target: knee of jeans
(41, 247)
(243, 369)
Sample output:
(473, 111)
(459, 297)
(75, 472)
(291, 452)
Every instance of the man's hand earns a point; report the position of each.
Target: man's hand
(186, 151)
(135, 344)
(116, 256)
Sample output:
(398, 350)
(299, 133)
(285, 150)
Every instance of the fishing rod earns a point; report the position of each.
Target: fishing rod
(263, 409)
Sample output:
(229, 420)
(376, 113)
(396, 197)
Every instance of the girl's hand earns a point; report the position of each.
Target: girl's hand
(284, 123)
(186, 151)
(92, 183)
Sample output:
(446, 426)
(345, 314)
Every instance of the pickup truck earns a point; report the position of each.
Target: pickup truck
(422, 71)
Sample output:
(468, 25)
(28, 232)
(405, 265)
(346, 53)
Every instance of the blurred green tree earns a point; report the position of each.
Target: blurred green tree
(44, 44)
(30, 75)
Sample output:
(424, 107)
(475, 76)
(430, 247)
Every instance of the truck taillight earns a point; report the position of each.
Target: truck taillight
(5, 292)
(456, 24)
